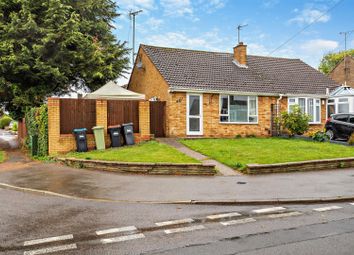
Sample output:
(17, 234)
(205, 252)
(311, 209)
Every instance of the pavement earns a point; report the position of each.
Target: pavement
(223, 169)
(47, 178)
(8, 140)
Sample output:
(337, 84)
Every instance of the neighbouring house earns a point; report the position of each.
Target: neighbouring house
(341, 100)
(213, 94)
(343, 73)
(112, 91)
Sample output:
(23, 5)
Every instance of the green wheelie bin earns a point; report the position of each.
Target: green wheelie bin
(99, 137)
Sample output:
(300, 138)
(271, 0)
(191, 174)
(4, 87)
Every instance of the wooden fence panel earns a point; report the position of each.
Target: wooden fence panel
(158, 118)
(122, 111)
(22, 130)
(77, 113)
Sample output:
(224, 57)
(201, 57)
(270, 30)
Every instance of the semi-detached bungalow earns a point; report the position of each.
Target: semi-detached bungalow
(213, 94)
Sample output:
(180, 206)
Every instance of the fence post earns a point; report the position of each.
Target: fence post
(144, 119)
(53, 125)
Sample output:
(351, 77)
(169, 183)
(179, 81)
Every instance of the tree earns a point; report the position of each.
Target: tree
(331, 60)
(48, 47)
(296, 121)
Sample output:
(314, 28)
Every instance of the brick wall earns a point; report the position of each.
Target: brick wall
(338, 73)
(64, 143)
(211, 124)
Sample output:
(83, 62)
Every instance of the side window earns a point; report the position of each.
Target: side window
(342, 118)
(351, 119)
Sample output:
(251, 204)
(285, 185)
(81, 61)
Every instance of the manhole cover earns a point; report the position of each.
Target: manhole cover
(241, 182)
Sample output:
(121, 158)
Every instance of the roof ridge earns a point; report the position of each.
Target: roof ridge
(206, 51)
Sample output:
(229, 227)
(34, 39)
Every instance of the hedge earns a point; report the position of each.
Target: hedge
(37, 124)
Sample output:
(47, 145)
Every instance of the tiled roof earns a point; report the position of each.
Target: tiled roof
(213, 71)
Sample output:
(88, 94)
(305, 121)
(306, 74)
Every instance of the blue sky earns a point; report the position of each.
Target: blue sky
(211, 25)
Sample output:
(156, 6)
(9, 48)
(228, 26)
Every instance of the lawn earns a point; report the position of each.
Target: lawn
(2, 156)
(236, 153)
(152, 152)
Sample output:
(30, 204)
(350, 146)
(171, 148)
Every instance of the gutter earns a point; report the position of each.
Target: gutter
(278, 103)
(243, 93)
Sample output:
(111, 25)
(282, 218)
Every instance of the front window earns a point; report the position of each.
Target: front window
(238, 109)
(343, 105)
(310, 106)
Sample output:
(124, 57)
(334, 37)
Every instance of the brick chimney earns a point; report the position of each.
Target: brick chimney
(240, 54)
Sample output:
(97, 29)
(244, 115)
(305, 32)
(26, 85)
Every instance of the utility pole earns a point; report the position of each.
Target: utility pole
(346, 33)
(239, 27)
(132, 15)
(346, 37)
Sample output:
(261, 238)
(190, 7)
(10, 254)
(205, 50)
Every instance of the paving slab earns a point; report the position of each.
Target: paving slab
(223, 169)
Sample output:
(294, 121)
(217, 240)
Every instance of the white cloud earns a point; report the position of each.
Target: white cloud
(270, 3)
(211, 5)
(137, 4)
(319, 46)
(208, 41)
(257, 49)
(153, 23)
(308, 16)
(177, 7)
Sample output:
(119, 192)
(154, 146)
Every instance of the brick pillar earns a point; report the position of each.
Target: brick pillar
(53, 125)
(101, 114)
(144, 118)
(101, 117)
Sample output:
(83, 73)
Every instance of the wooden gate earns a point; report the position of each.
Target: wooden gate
(158, 118)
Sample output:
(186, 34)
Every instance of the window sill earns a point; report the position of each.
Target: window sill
(239, 123)
(315, 123)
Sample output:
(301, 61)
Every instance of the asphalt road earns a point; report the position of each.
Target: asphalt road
(91, 227)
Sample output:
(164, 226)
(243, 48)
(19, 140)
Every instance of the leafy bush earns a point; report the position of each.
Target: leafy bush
(296, 122)
(15, 127)
(351, 139)
(5, 121)
(320, 136)
(37, 125)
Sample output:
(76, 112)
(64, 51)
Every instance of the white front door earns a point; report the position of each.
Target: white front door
(194, 114)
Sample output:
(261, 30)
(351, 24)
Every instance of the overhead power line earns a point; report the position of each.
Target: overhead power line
(306, 27)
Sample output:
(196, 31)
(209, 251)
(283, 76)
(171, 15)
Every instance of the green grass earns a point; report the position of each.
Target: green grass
(151, 152)
(236, 153)
(2, 156)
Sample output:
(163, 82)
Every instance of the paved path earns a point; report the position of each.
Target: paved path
(145, 188)
(223, 169)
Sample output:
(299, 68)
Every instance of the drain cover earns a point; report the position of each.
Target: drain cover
(241, 182)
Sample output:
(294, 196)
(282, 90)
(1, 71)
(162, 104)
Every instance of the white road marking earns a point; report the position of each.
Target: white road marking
(282, 215)
(234, 222)
(185, 229)
(174, 222)
(122, 238)
(224, 215)
(352, 203)
(268, 210)
(329, 208)
(52, 249)
(115, 230)
(48, 240)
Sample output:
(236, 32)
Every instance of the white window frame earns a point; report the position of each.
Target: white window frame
(316, 102)
(228, 110)
(200, 132)
(336, 104)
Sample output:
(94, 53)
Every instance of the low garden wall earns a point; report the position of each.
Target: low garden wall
(311, 165)
(142, 168)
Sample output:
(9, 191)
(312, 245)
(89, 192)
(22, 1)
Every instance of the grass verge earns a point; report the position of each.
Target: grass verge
(2, 156)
